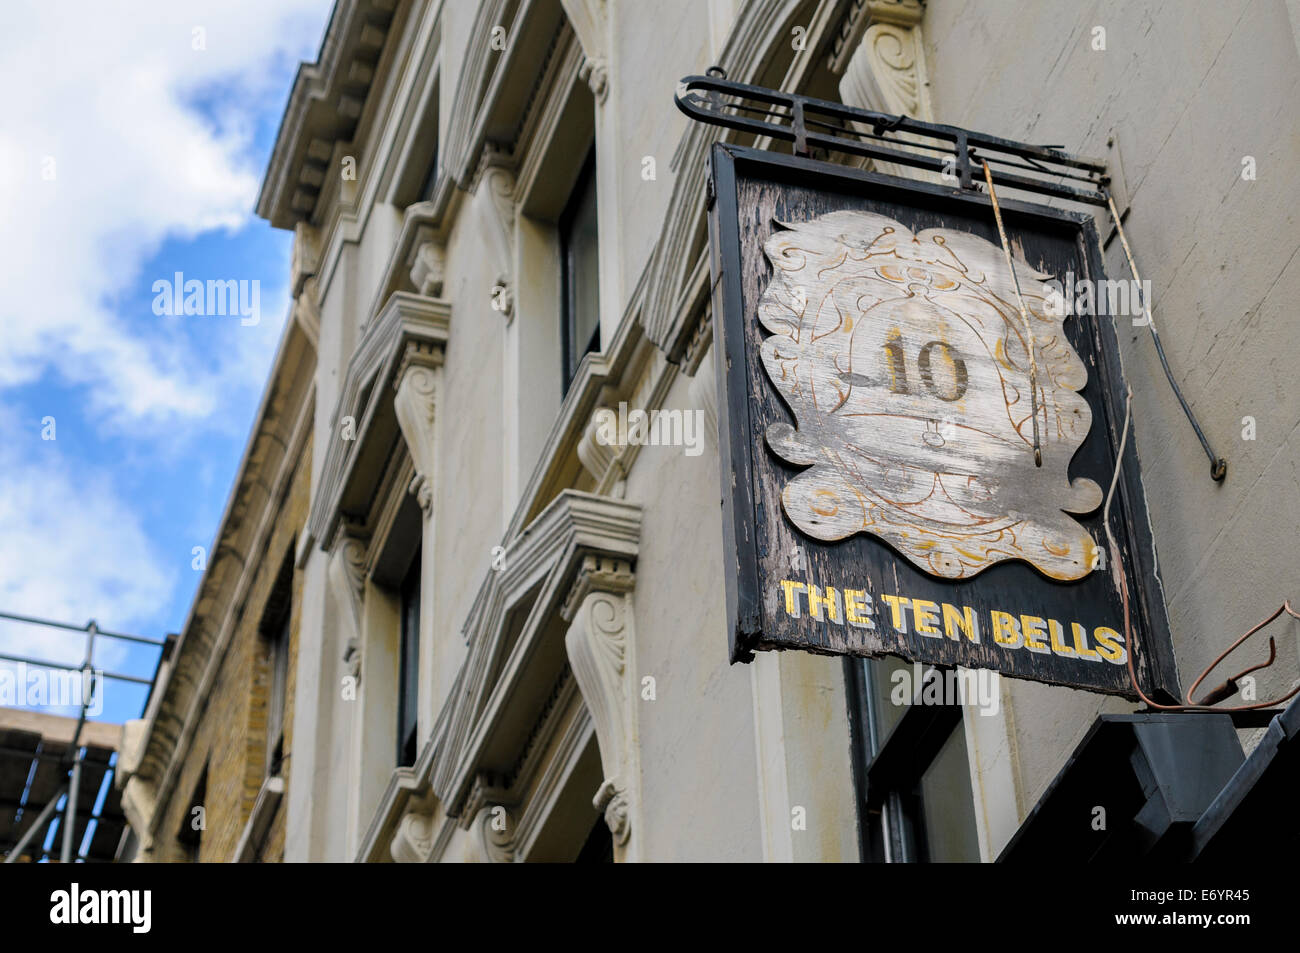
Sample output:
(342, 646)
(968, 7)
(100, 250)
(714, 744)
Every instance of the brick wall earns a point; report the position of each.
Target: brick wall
(231, 736)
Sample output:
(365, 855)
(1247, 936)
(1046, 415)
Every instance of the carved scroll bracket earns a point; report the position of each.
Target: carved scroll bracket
(494, 835)
(590, 22)
(428, 268)
(346, 572)
(881, 56)
(416, 403)
(494, 193)
(600, 450)
(599, 644)
(413, 840)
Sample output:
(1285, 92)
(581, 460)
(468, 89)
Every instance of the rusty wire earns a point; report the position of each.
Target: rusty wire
(1024, 315)
(1225, 689)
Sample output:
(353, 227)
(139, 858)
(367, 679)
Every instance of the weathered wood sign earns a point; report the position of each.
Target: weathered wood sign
(878, 432)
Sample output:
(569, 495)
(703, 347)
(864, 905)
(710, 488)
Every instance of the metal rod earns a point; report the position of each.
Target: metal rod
(701, 98)
(870, 117)
(1218, 465)
(41, 819)
(70, 811)
(73, 668)
(1024, 315)
(15, 617)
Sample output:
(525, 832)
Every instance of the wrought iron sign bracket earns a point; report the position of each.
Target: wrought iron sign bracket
(949, 151)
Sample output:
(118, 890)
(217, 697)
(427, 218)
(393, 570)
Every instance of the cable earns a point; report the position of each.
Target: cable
(1024, 315)
(1218, 465)
(1224, 690)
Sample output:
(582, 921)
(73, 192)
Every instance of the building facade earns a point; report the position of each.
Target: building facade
(448, 618)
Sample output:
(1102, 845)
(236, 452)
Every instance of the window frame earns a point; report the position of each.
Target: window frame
(888, 768)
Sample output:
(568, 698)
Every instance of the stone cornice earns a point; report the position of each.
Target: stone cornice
(324, 107)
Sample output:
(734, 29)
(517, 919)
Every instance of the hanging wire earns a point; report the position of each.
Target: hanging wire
(1225, 689)
(1024, 315)
(1218, 465)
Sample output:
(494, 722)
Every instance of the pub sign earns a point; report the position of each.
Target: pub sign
(880, 481)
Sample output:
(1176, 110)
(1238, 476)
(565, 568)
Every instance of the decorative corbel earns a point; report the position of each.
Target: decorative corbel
(306, 312)
(600, 450)
(415, 404)
(428, 268)
(880, 55)
(494, 190)
(599, 645)
(494, 835)
(595, 74)
(304, 258)
(413, 840)
(346, 573)
(591, 24)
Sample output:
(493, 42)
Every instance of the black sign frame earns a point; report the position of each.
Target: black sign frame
(755, 527)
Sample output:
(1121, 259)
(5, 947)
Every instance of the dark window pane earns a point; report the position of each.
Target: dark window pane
(580, 244)
(430, 185)
(409, 665)
(599, 848)
(279, 647)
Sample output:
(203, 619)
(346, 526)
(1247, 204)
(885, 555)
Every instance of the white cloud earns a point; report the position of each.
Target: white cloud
(110, 94)
(149, 140)
(73, 550)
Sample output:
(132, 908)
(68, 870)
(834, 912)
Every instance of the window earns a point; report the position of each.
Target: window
(192, 824)
(430, 185)
(579, 263)
(274, 628)
(408, 672)
(279, 652)
(911, 768)
(599, 848)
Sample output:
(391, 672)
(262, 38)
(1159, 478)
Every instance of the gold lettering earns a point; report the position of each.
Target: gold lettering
(926, 614)
(1110, 645)
(1055, 632)
(791, 600)
(857, 608)
(1081, 643)
(831, 601)
(896, 605)
(965, 622)
(1006, 630)
(1032, 625)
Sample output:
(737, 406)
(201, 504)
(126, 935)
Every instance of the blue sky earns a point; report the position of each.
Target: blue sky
(134, 152)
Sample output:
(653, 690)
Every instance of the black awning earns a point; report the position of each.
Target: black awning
(1256, 810)
(1135, 787)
